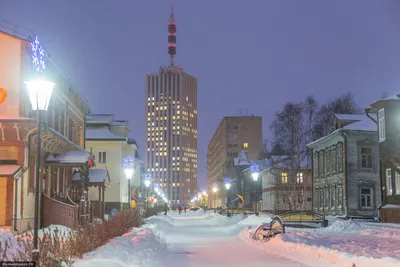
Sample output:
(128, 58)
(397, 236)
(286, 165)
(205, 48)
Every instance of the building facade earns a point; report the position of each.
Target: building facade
(233, 135)
(171, 130)
(62, 142)
(107, 139)
(346, 169)
(388, 126)
(286, 184)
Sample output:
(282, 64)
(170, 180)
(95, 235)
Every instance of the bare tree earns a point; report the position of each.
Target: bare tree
(345, 104)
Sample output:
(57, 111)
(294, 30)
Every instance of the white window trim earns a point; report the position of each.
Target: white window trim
(381, 122)
(397, 183)
(372, 197)
(388, 178)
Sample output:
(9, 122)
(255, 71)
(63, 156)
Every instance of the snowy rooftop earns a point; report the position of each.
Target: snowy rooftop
(102, 133)
(104, 118)
(119, 123)
(78, 157)
(284, 162)
(95, 176)
(350, 117)
(9, 170)
(364, 125)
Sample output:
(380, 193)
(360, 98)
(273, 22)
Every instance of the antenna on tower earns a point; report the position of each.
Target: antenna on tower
(172, 35)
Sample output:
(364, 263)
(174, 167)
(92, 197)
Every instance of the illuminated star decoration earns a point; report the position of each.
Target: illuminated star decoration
(227, 180)
(254, 168)
(37, 55)
(147, 176)
(129, 162)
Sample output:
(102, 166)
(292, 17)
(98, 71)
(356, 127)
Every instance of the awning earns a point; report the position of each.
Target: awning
(95, 176)
(69, 157)
(9, 170)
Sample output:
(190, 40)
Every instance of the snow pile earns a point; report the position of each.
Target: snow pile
(140, 247)
(343, 243)
(10, 244)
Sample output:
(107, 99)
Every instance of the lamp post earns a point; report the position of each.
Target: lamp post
(128, 165)
(227, 186)
(147, 181)
(39, 93)
(255, 173)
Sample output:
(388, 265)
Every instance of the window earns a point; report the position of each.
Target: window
(340, 197)
(333, 162)
(246, 145)
(321, 164)
(382, 129)
(389, 185)
(102, 157)
(321, 199)
(397, 183)
(245, 136)
(284, 178)
(315, 163)
(340, 157)
(366, 157)
(333, 196)
(328, 162)
(299, 178)
(232, 136)
(366, 197)
(327, 197)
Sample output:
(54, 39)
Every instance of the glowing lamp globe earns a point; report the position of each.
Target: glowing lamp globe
(147, 182)
(227, 183)
(255, 176)
(155, 200)
(39, 93)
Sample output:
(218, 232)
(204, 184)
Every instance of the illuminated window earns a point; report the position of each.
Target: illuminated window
(284, 178)
(246, 145)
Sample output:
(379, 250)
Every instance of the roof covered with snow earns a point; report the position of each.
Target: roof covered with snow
(242, 159)
(119, 123)
(350, 117)
(95, 176)
(364, 125)
(102, 133)
(77, 157)
(101, 118)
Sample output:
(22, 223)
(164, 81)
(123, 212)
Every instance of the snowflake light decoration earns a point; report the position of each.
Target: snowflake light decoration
(254, 168)
(227, 180)
(147, 176)
(215, 185)
(37, 55)
(129, 162)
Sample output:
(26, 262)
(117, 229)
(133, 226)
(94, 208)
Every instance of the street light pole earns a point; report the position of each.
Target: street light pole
(39, 92)
(128, 165)
(227, 186)
(147, 181)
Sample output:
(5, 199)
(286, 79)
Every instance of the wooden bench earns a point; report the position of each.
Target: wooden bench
(303, 217)
(266, 231)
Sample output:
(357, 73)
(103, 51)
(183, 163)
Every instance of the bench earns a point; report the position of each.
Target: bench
(266, 231)
(303, 217)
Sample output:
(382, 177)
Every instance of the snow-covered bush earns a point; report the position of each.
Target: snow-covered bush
(61, 248)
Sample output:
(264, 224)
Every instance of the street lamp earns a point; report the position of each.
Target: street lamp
(215, 189)
(39, 93)
(255, 171)
(147, 181)
(227, 186)
(128, 164)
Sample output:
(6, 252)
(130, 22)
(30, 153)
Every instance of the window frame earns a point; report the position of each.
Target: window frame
(360, 157)
(388, 179)
(371, 195)
(397, 183)
(381, 125)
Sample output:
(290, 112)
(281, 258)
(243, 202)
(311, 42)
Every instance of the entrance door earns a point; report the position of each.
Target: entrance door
(3, 200)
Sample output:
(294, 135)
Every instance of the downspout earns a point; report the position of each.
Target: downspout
(16, 196)
(345, 169)
(367, 110)
(312, 178)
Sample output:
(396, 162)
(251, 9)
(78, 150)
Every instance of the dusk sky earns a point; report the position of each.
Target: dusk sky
(254, 54)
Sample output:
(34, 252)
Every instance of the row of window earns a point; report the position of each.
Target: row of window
(328, 161)
(299, 178)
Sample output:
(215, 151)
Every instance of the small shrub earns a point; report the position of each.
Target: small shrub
(62, 248)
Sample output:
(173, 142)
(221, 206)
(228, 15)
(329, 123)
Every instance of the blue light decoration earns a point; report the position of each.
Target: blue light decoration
(254, 168)
(128, 162)
(227, 180)
(147, 176)
(38, 55)
(215, 185)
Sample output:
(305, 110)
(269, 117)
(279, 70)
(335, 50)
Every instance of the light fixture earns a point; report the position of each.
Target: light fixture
(255, 171)
(227, 183)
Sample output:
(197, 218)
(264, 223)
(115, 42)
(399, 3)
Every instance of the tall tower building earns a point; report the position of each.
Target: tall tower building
(171, 108)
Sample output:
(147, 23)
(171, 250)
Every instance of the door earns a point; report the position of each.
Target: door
(3, 200)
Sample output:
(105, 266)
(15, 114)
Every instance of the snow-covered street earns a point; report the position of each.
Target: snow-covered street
(208, 239)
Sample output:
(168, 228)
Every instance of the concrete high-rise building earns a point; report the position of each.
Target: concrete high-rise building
(171, 147)
(232, 135)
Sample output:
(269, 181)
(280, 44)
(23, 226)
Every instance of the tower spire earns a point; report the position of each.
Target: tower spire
(172, 35)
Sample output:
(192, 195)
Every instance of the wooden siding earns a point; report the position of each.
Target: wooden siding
(3, 201)
(9, 153)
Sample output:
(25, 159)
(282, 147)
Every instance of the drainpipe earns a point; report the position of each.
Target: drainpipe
(345, 169)
(312, 178)
(16, 196)
(367, 110)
